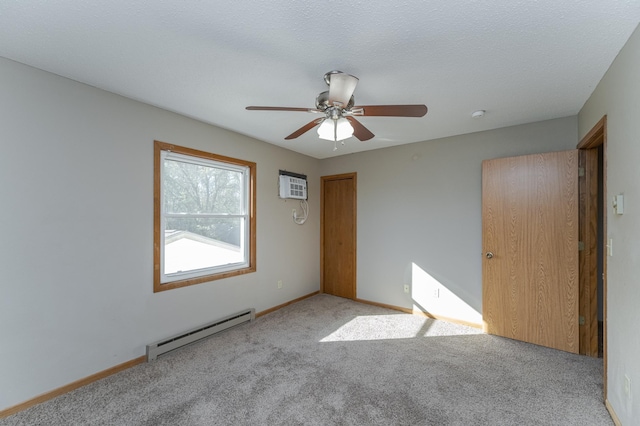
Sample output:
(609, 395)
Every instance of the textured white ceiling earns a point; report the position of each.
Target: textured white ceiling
(521, 61)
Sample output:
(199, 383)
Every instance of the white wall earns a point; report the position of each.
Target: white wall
(419, 214)
(76, 231)
(618, 96)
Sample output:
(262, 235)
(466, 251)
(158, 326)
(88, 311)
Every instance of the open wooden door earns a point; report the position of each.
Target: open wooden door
(530, 248)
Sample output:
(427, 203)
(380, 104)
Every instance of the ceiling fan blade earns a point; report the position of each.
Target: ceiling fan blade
(273, 108)
(359, 131)
(390, 110)
(305, 128)
(341, 87)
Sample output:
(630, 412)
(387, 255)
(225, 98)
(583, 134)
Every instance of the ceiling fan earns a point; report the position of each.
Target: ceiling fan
(337, 106)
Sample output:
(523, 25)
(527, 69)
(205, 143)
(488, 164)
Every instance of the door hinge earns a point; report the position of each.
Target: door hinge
(581, 320)
(581, 171)
(580, 245)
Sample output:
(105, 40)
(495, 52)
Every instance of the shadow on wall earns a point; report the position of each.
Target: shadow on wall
(433, 297)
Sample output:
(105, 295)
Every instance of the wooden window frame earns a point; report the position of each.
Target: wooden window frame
(157, 219)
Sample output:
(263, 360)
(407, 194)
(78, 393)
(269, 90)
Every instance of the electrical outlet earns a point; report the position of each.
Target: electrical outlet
(280, 284)
(627, 386)
(406, 288)
(436, 293)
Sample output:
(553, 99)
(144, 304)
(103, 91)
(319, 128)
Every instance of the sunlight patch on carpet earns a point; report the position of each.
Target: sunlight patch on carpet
(388, 327)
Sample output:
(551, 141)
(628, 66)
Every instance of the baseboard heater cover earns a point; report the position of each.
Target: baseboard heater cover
(206, 330)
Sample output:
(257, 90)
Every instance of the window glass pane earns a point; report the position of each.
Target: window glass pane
(204, 217)
(195, 188)
(197, 243)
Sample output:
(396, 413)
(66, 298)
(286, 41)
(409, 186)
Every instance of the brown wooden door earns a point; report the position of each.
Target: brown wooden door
(338, 235)
(530, 248)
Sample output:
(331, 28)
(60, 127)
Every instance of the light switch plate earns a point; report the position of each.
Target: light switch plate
(618, 203)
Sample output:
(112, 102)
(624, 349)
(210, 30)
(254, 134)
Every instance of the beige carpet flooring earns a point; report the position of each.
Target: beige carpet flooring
(332, 361)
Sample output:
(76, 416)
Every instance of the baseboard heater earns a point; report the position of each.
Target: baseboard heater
(182, 339)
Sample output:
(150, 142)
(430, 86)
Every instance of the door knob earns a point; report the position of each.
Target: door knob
(489, 255)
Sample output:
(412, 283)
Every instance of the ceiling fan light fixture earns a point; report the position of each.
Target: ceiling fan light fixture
(335, 130)
(344, 129)
(325, 131)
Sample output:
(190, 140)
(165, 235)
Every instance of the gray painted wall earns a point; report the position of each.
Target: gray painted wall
(618, 96)
(76, 184)
(419, 214)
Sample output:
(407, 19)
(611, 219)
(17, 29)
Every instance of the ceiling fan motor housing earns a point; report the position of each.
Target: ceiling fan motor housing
(322, 102)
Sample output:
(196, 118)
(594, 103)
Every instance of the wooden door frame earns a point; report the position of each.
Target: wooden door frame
(588, 254)
(597, 137)
(353, 176)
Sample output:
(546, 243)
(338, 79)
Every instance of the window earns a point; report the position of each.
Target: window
(204, 217)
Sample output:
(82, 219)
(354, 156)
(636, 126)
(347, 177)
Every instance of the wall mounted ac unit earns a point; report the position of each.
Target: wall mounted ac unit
(293, 185)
